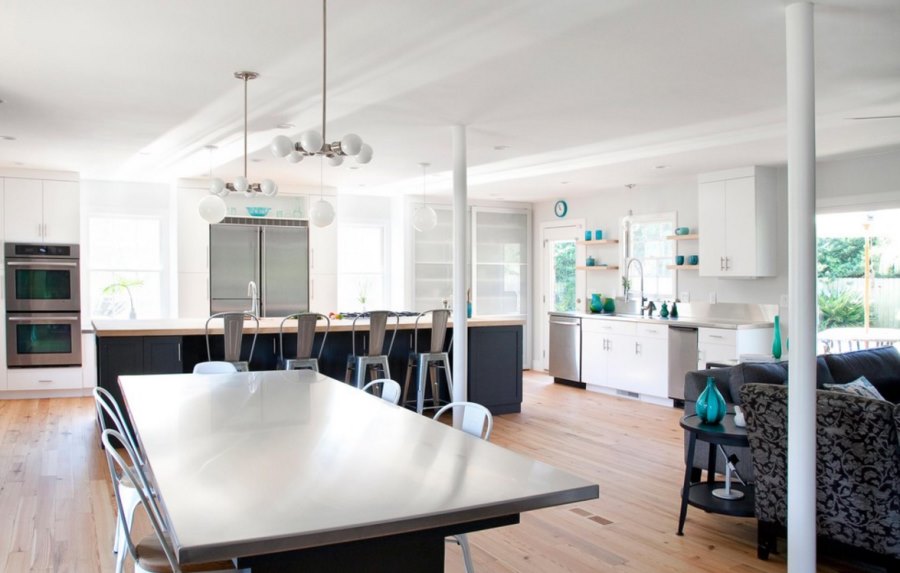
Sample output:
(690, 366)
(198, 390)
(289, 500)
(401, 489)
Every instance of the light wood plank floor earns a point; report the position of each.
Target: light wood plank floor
(56, 505)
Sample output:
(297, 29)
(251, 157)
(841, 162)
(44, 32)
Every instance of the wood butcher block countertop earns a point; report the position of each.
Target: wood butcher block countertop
(195, 326)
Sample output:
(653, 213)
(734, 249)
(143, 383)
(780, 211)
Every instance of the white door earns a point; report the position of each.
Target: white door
(740, 222)
(23, 210)
(711, 216)
(559, 282)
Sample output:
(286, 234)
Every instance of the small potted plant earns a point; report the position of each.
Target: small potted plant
(123, 284)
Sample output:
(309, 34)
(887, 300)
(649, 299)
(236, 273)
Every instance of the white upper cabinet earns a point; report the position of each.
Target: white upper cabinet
(323, 249)
(737, 221)
(41, 211)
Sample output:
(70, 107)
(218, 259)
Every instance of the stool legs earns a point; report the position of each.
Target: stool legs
(358, 367)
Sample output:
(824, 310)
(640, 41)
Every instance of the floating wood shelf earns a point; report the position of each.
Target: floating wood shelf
(600, 242)
(692, 237)
(685, 267)
(597, 268)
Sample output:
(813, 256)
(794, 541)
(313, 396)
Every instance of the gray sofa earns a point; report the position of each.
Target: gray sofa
(858, 453)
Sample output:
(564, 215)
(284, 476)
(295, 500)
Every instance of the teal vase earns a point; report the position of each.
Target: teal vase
(609, 305)
(776, 341)
(710, 406)
(596, 303)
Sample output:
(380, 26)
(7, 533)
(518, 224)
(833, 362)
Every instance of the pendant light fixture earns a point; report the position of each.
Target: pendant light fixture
(312, 142)
(424, 217)
(322, 212)
(242, 184)
(212, 207)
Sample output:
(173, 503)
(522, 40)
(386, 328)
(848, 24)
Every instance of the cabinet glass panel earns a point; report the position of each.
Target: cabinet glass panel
(433, 263)
(501, 257)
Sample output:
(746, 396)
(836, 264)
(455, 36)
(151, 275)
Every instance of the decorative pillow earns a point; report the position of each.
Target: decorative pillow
(859, 387)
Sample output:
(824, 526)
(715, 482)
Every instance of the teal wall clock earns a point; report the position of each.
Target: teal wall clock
(561, 208)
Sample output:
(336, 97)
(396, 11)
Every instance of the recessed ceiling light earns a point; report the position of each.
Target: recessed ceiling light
(256, 160)
(18, 163)
(564, 182)
(501, 147)
(354, 167)
(661, 167)
(285, 125)
(211, 147)
(7, 138)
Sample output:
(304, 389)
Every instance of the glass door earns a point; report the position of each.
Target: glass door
(559, 288)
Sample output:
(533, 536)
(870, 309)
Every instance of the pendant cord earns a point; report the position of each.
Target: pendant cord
(322, 178)
(245, 126)
(424, 202)
(324, 67)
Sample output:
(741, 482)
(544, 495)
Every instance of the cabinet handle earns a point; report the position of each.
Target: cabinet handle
(179, 352)
(719, 336)
(637, 348)
(46, 381)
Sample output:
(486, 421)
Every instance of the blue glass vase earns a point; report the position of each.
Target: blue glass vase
(710, 406)
(776, 341)
(596, 303)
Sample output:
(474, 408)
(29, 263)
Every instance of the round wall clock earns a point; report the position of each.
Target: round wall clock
(561, 208)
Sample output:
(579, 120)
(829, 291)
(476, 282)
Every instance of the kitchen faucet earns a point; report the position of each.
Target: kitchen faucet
(253, 293)
(641, 292)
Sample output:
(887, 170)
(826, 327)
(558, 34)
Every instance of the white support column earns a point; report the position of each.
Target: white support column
(460, 219)
(801, 130)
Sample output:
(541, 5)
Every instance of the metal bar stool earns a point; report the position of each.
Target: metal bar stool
(429, 362)
(233, 323)
(359, 364)
(306, 334)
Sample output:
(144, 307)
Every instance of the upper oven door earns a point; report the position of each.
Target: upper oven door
(42, 285)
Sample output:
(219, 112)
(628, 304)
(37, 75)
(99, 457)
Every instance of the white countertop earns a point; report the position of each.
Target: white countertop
(260, 462)
(728, 323)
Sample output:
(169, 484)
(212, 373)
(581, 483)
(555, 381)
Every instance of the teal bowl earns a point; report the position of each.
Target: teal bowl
(258, 211)
(682, 230)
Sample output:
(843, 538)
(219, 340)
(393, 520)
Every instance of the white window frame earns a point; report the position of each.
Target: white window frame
(342, 271)
(625, 233)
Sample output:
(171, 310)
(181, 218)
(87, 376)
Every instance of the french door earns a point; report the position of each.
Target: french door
(560, 283)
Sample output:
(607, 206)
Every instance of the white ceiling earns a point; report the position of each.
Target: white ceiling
(596, 94)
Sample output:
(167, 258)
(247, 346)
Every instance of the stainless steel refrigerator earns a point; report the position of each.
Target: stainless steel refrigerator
(275, 257)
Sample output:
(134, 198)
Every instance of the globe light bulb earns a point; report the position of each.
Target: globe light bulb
(281, 146)
(335, 160)
(365, 154)
(322, 213)
(241, 184)
(268, 188)
(216, 186)
(212, 208)
(424, 218)
(294, 157)
(351, 144)
(311, 141)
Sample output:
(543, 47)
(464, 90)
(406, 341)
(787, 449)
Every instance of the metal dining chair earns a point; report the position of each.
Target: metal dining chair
(436, 359)
(154, 553)
(214, 367)
(358, 365)
(476, 421)
(389, 389)
(233, 324)
(306, 334)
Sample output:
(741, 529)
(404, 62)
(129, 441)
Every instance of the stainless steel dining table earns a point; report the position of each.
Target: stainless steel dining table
(295, 471)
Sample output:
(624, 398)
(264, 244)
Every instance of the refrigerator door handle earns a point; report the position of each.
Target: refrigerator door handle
(261, 264)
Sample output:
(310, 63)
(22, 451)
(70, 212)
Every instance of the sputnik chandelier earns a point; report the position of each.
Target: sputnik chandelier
(312, 142)
(241, 184)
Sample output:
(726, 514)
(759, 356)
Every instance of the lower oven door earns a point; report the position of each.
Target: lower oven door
(43, 339)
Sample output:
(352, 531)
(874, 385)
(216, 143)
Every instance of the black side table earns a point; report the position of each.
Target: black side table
(700, 494)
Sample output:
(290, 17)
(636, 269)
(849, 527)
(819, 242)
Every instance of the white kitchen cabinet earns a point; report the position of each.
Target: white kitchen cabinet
(501, 239)
(193, 231)
(737, 213)
(88, 360)
(725, 344)
(41, 211)
(625, 356)
(323, 249)
(30, 379)
(594, 354)
(193, 295)
(323, 292)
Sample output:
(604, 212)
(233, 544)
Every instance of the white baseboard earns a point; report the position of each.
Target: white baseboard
(38, 394)
(656, 400)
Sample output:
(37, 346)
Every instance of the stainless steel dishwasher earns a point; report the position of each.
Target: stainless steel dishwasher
(565, 348)
(682, 358)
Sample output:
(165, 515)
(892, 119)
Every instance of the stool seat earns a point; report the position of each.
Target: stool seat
(429, 363)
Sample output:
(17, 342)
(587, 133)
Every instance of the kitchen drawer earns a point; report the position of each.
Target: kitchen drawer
(717, 336)
(43, 378)
(608, 326)
(653, 330)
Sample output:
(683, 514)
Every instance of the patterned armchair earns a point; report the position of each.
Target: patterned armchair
(857, 468)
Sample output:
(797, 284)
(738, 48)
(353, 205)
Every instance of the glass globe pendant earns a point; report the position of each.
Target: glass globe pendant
(424, 217)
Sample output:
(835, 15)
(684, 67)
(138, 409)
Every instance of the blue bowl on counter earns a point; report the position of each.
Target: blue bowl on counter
(258, 211)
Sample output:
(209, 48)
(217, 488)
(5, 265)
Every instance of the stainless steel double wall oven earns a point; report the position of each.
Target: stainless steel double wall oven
(43, 305)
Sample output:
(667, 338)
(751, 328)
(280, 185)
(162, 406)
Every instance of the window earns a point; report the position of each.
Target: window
(125, 266)
(362, 280)
(646, 241)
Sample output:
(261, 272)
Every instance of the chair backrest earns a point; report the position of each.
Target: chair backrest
(214, 367)
(233, 324)
(477, 420)
(378, 320)
(118, 470)
(439, 319)
(306, 333)
(105, 402)
(390, 390)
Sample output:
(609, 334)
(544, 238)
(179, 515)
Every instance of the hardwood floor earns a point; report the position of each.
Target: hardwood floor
(57, 510)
